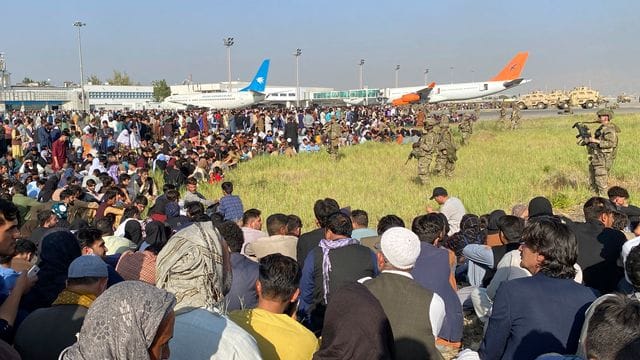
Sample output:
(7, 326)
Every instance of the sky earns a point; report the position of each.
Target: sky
(570, 42)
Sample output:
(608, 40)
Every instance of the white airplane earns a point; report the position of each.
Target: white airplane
(507, 78)
(252, 94)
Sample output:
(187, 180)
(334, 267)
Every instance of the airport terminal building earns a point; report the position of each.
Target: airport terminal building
(111, 97)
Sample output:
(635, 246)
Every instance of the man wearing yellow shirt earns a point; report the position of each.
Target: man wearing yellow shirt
(279, 336)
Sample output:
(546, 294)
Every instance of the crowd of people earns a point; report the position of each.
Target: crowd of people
(98, 261)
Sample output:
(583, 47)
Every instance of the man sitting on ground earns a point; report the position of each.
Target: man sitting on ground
(434, 272)
(360, 220)
(279, 336)
(251, 227)
(230, 206)
(277, 242)
(310, 240)
(619, 196)
(542, 313)
(59, 324)
(415, 313)
(245, 272)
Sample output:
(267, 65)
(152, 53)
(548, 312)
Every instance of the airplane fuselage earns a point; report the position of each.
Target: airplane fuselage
(221, 100)
(459, 91)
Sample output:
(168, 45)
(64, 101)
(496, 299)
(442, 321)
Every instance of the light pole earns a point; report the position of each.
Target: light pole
(228, 42)
(361, 67)
(426, 71)
(397, 70)
(80, 24)
(297, 55)
(451, 74)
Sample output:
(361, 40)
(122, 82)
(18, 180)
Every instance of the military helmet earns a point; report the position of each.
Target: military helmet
(605, 112)
(431, 122)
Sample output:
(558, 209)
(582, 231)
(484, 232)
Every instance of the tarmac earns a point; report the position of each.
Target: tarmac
(628, 108)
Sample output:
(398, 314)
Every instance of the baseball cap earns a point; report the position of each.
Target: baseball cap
(87, 266)
(438, 191)
(401, 247)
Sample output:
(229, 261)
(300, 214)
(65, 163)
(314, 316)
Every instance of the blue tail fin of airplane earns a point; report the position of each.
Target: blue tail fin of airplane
(259, 81)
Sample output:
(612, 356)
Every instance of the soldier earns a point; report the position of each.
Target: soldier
(453, 110)
(466, 128)
(334, 132)
(602, 151)
(476, 111)
(503, 113)
(423, 151)
(515, 116)
(446, 151)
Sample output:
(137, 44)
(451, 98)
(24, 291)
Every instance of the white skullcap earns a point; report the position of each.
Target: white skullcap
(401, 247)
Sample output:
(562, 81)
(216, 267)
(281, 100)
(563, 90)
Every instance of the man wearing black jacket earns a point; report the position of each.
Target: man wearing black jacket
(620, 198)
(309, 240)
(599, 245)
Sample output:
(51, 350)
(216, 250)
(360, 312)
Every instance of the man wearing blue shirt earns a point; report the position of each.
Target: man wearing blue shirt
(230, 205)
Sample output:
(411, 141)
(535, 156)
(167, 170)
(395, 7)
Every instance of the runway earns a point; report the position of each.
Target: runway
(629, 108)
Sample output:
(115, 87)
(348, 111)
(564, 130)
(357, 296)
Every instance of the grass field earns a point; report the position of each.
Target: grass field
(498, 169)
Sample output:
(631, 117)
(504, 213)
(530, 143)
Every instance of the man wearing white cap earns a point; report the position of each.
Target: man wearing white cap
(415, 313)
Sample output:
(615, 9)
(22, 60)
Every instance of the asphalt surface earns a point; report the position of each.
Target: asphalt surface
(629, 108)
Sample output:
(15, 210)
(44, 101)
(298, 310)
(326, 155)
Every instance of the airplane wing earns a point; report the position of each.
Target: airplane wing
(424, 93)
(421, 95)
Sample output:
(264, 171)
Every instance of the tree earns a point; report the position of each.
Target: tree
(120, 78)
(27, 80)
(94, 80)
(160, 90)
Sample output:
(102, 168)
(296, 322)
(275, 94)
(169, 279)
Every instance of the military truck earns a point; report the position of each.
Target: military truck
(582, 96)
(536, 99)
(621, 99)
(558, 98)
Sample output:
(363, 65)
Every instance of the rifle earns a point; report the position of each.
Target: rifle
(584, 134)
(411, 156)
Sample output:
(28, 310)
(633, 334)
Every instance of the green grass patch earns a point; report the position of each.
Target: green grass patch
(499, 169)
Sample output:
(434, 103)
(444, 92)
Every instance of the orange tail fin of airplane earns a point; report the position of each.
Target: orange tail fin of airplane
(513, 68)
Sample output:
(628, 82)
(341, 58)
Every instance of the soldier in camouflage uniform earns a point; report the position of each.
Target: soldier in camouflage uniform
(476, 111)
(466, 128)
(334, 132)
(423, 151)
(446, 151)
(602, 151)
(515, 116)
(503, 114)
